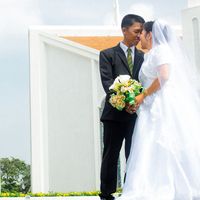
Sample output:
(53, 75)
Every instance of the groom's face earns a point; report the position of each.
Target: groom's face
(132, 33)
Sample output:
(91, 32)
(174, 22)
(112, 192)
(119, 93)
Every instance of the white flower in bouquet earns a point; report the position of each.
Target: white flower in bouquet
(123, 78)
(125, 89)
(120, 79)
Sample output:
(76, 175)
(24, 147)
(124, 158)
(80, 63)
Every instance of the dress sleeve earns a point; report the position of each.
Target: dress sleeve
(162, 61)
(161, 56)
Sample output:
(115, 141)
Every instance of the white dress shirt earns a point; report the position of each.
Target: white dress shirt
(125, 48)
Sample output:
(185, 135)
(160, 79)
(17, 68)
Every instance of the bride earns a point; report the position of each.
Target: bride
(164, 163)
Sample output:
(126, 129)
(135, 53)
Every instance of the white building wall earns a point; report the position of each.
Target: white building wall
(193, 3)
(66, 96)
(191, 32)
(70, 121)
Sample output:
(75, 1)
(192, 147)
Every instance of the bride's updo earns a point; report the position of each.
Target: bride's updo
(160, 30)
(148, 26)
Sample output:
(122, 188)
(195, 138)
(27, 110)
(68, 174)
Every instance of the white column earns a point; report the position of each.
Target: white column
(192, 3)
(116, 13)
(196, 35)
(96, 120)
(39, 159)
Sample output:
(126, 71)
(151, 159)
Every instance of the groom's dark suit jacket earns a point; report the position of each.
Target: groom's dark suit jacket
(113, 62)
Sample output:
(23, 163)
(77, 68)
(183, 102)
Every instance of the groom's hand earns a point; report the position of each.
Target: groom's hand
(131, 108)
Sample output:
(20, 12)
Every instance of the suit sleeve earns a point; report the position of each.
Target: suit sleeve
(105, 63)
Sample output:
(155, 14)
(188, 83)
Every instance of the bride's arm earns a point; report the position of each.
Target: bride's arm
(149, 91)
(163, 75)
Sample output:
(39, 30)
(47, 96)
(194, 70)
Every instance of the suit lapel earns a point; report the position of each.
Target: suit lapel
(122, 56)
(137, 59)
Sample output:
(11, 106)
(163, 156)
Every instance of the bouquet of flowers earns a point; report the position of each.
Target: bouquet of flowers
(124, 90)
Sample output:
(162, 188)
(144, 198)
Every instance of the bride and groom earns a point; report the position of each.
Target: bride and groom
(161, 132)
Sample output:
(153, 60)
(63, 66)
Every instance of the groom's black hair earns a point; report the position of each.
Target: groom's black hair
(130, 19)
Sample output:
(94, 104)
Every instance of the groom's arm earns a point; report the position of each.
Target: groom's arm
(105, 64)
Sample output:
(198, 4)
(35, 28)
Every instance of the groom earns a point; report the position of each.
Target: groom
(118, 125)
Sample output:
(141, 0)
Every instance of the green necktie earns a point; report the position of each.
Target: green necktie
(130, 60)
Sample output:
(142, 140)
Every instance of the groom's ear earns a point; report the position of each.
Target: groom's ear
(151, 35)
(124, 30)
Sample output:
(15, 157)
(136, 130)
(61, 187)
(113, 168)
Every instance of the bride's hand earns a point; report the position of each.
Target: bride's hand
(139, 99)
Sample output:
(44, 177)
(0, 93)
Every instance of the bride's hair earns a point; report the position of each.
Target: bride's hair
(148, 26)
(163, 32)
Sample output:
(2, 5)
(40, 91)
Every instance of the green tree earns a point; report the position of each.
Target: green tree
(15, 175)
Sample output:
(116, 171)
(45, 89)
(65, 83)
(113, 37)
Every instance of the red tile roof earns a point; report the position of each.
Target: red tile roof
(97, 42)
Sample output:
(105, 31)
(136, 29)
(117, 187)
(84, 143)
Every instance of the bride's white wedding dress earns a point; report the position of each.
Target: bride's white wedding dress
(164, 163)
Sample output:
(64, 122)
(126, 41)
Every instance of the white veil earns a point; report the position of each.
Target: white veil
(181, 66)
(179, 99)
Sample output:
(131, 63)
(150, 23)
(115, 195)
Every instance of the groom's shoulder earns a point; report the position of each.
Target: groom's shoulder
(110, 50)
(140, 52)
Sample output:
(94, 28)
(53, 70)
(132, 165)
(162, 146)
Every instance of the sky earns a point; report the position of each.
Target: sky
(16, 18)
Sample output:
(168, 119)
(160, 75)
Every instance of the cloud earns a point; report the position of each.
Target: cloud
(109, 19)
(16, 16)
(69, 13)
(148, 12)
(144, 10)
